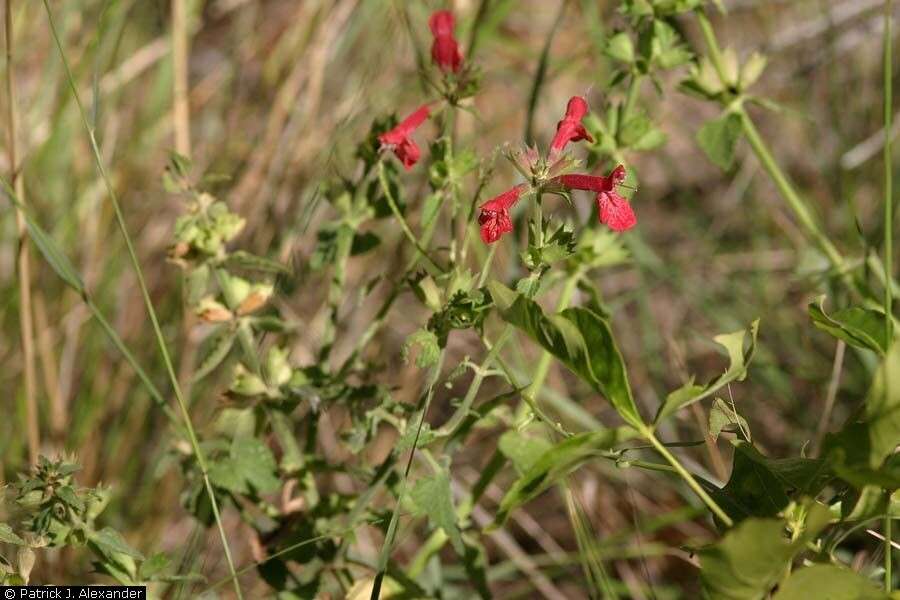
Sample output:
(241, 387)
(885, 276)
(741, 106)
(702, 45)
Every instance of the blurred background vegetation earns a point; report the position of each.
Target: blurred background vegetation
(281, 91)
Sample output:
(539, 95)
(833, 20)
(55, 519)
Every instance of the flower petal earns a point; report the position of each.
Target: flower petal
(615, 211)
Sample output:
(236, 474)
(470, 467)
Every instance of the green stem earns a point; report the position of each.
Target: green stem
(148, 303)
(386, 189)
(785, 187)
(715, 54)
(888, 244)
(688, 478)
(463, 411)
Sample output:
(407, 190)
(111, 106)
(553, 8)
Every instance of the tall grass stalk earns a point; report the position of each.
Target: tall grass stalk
(160, 339)
(23, 262)
(888, 242)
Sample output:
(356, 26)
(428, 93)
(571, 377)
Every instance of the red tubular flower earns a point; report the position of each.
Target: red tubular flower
(570, 128)
(398, 140)
(494, 216)
(612, 209)
(445, 49)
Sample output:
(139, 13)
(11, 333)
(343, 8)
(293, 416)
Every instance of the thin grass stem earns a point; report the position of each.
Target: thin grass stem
(157, 330)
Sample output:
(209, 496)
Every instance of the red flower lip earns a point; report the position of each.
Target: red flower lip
(398, 139)
(494, 216)
(445, 49)
(570, 129)
(612, 209)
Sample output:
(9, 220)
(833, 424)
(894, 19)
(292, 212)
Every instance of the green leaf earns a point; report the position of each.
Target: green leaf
(718, 139)
(47, 246)
(429, 350)
(828, 582)
(252, 262)
(433, 498)
(761, 487)
(580, 339)
(737, 370)
(154, 565)
(523, 451)
(109, 540)
(639, 133)
(859, 327)
(67, 495)
(722, 416)
(7, 536)
(882, 413)
(250, 467)
(217, 347)
(668, 51)
(621, 48)
(752, 557)
(555, 463)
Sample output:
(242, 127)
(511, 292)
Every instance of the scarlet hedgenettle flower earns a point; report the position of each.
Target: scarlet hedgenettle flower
(612, 209)
(570, 128)
(445, 49)
(398, 140)
(494, 216)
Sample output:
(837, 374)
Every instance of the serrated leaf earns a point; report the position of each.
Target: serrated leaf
(828, 582)
(67, 495)
(250, 467)
(859, 327)
(427, 343)
(8, 536)
(718, 139)
(752, 557)
(737, 370)
(154, 565)
(556, 463)
(432, 497)
(580, 339)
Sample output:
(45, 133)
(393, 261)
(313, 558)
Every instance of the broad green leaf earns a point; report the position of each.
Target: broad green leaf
(524, 451)
(718, 139)
(722, 416)
(249, 467)
(111, 541)
(858, 327)
(762, 487)
(752, 557)
(828, 582)
(7, 536)
(580, 339)
(737, 370)
(882, 413)
(433, 498)
(556, 463)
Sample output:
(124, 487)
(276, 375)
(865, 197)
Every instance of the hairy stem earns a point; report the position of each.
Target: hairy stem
(148, 303)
